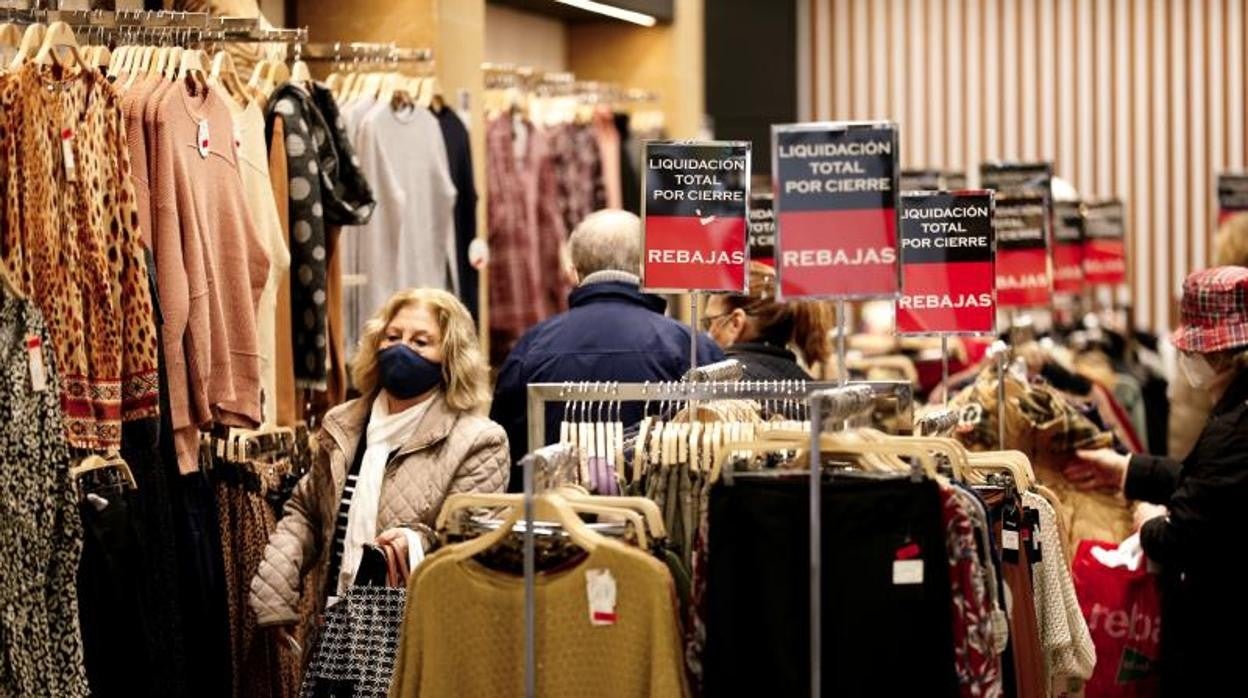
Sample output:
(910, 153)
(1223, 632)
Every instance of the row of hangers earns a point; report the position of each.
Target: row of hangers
(383, 82)
(563, 506)
(53, 44)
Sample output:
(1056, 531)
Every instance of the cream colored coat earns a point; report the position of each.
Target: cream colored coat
(449, 452)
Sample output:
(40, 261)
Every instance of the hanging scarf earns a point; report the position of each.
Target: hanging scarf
(386, 433)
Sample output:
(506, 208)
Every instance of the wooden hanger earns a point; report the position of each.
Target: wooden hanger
(32, 39)
(10, 40)
(1014, 462)
(95, 462)
(190, 63)
(225, 72)
(299, 72)
(546, 507)
(648, 510)
(60, 36)
(578, 500)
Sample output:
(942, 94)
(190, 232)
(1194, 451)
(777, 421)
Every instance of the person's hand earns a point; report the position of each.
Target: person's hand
(395, 538)
(1145, 512)
(1102, 469)
(283, 637)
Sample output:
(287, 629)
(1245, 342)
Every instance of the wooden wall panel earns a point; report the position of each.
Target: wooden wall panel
(1141, 99)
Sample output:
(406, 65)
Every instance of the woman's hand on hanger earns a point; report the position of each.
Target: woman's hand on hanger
(1102, 469)
(1145, 512)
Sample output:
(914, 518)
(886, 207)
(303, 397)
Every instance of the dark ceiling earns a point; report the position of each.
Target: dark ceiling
(661, 10)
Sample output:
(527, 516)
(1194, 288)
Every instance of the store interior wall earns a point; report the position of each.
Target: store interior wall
(749, 90)
(523, 38)
(1142, 100)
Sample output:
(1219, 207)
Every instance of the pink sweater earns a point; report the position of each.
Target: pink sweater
(210, 268)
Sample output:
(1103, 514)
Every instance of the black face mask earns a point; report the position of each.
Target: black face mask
(406, 374)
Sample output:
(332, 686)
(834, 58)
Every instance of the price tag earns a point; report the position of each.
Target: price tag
(600, 588)
(38, 370)
(67, 154)
(907, 572)
(201, 140)
(478, 254)
(1009, 540)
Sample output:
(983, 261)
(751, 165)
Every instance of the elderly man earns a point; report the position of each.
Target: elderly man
(611, 332)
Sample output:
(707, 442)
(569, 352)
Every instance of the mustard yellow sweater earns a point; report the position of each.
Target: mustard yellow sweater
(463, 633)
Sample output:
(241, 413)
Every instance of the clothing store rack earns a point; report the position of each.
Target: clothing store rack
(940, 421)
(357, 52)
(827, 401)
(834, 404)
(189, 26)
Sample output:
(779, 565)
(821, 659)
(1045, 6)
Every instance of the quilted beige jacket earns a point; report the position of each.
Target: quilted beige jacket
(449, 452)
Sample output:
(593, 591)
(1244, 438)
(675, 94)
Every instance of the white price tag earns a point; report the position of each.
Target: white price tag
(600, 587)
(201, 140)
(1009, 540)
(67, 155)
(907, 571)
(38, 369)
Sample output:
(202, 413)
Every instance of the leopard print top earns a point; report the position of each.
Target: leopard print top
(40, 533)
(75, 247)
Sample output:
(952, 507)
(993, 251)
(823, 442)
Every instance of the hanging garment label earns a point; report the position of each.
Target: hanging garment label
(478, 254)
(907, 571)
(38, 370)
(600, 587)
(1032, 532)
(1009, 540)
(67, 154)
(201, 140)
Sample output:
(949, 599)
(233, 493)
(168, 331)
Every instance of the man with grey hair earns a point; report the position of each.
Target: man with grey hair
(611, 332)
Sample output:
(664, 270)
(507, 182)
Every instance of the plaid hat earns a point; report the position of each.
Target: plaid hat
(1214, 311)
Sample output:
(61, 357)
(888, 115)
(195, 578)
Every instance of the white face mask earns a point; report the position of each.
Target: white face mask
(1197, 369)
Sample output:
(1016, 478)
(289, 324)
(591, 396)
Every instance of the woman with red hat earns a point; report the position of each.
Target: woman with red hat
(1195, 521)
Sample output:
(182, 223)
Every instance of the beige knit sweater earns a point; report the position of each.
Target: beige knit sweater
(210, 267)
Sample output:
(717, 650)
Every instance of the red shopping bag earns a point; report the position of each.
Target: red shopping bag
(1122, 607)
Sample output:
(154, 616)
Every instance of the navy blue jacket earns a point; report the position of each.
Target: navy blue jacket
(611, 332)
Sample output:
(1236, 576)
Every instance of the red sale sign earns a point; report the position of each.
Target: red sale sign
(695, 216)
(1068, 247)
(1104, 248)
(1023, 278)
(946, 263)
(835, 207)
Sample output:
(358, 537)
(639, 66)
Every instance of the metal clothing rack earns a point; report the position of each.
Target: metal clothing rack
(169, 24)
(827, 401)
(361, 51)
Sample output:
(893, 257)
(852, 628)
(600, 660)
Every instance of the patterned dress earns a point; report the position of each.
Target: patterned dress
(40, 534)
(69, 232)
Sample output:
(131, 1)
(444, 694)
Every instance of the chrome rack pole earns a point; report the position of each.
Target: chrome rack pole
(537, 437)
(845, 402)
(841, 369)
(944, 365)
(816, 543)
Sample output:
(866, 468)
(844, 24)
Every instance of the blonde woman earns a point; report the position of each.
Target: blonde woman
(387, 461)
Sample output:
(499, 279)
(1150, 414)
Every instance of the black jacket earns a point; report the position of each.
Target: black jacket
(611, 332)
(766, 362)
(1201, 546)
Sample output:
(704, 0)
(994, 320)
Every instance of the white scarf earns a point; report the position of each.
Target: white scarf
(386, 432)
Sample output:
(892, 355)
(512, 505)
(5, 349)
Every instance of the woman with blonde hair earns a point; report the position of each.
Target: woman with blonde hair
(761, 332)
(386, 462)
